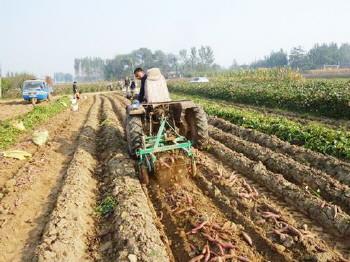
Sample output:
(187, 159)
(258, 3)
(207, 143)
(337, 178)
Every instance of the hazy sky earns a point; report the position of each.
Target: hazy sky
(44, 36)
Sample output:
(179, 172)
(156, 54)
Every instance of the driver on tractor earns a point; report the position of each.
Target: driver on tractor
(153, 86)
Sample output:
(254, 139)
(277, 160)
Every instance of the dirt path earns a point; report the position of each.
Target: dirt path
(31, 193)
(130, 231)
(63, 121)
(75, 204)
(13, 108)
(104, 171)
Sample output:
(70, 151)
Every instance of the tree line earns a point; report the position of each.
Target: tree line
(194, 60)
(298, 58)
(122, 65)
(12, 83)
(89, 69)
(60, 77)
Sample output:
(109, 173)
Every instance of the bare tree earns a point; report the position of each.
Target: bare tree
(193, 57)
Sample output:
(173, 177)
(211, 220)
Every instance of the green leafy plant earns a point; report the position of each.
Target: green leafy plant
(316, 137)
(107, 206)
(9, 134)
(106, 122)
(274, 88)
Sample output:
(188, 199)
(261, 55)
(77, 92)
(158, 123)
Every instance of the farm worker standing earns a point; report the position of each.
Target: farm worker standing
(126, 84)
(132, 89)
(75, 90)
(132, 86)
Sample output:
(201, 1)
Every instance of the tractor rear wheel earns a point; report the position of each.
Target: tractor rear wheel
(197, 124)
(134, 133)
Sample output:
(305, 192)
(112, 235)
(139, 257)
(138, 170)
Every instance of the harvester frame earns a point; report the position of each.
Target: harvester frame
(163, 130)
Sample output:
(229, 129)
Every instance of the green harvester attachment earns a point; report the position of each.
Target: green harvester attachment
(163, 141)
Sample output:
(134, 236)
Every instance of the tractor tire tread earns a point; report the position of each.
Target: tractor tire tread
(134, 133)
(200, 122)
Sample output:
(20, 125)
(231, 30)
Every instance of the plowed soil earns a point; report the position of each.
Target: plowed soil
(254, 198)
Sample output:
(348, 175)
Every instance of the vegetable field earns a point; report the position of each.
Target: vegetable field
(315, 136)
(268, 188)
(278, 88)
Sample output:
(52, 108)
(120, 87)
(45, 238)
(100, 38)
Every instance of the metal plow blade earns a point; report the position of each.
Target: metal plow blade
(174, 168)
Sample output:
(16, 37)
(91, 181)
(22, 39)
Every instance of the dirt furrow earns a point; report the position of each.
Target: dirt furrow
(118, 107)
(278, 231)
(319, 183)
(260, 242)
(121, 98)
(328, 215)
(66, 234)
(185, 248)
(134, 234)
(10, 167)
(262, 217)
(198, 224)
(101, 244)
(330, 165)
(28, 202)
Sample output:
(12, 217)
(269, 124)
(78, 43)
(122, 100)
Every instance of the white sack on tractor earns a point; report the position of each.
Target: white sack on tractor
(156, 89)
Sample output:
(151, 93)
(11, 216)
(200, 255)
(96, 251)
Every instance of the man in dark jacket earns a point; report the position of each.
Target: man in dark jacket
(141, 75)
(76, 93)
(132, 85)
(75, 88)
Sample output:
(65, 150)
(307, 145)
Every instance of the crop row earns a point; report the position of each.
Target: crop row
(313, 136)
(329, 98)
(260, 74)
(9, 133)
(61, 89)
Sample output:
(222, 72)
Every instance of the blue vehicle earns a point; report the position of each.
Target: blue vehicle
(36, 90)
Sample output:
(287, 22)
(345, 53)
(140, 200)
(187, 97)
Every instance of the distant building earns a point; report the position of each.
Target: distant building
(345, 66)
(325, 67)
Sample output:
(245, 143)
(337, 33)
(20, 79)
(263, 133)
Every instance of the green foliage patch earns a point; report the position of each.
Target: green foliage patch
(107, 206)
(9, 134)
(275, 88)
(314, 136)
